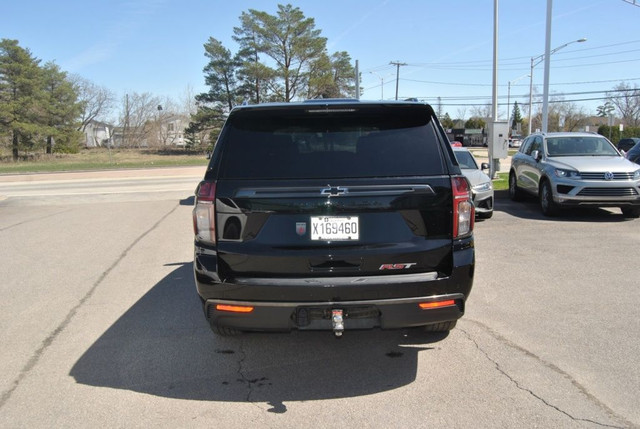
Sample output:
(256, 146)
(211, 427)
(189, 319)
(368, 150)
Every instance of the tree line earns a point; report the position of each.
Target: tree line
(622, 106)
(38, 104)
(43, 109)
(281, 58)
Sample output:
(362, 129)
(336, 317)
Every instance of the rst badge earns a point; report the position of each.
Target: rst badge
(401, 266)
(301, 228)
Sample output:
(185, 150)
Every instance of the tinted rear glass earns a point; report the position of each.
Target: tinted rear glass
(315, 143)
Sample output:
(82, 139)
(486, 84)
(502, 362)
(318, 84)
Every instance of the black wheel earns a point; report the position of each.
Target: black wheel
(224, 331)
(547, 205)
(514, 192)
(485, 215)
(441, 327)
(630, 212)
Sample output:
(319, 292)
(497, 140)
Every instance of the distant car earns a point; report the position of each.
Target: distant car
(626, 144)
(575, 169)
(481, 185)
(514, 142)
(456, 144)
(633, 154)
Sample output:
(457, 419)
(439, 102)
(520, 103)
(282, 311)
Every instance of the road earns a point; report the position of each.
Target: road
(101, 327)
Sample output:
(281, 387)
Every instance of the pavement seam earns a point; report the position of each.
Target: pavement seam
(33, 361)
(33, 220)
(554, 368)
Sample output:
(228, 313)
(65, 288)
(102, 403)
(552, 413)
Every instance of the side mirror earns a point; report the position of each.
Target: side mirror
(537, 155)
(484, 166)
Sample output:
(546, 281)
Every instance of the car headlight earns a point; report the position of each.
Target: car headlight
(636, 175)
(486, 186)
(570, 174)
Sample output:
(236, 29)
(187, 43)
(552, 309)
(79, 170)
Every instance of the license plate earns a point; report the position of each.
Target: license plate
(335, 228)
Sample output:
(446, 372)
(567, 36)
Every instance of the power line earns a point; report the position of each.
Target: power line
(504, 85)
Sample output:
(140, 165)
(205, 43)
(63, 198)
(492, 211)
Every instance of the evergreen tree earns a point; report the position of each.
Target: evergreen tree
(62, 110)
(331, 77)
(475, 123)
(292, 41)
(255, 78)
(516, 116)
(21, 95)
(447, 122)
(219, 75)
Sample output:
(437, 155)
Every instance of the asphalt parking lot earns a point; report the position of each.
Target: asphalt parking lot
(101, 326)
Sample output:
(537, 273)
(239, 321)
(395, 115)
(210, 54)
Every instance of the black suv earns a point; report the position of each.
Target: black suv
(627, 144)
(333, 215)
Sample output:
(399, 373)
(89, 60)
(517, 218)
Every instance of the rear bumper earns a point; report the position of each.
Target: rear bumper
(286, 303)
(286, 316)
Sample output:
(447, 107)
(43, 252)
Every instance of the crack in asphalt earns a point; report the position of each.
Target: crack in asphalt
(276, 406)
(554, 368)
(33, 361)
(33, 220)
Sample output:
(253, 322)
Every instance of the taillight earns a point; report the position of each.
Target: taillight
(436, 304)
(234, 308)
(204, 213)
(463, 209)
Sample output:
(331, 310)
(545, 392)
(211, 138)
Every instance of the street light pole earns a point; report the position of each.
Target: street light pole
(381, 85)
(547, 66)
(534, 62)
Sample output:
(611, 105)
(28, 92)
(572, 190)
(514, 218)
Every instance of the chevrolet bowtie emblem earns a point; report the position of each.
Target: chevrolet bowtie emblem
(333, 191)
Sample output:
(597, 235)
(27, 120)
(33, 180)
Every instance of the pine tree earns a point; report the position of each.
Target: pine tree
(516, 116)
(62, 110)
(21, 95)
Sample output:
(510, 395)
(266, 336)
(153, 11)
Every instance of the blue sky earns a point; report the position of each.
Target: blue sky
(156, 46)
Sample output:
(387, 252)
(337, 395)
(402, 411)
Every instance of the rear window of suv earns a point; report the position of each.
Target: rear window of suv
(339, 141)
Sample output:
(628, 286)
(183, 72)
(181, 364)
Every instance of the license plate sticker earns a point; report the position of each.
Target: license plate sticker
(335, 228)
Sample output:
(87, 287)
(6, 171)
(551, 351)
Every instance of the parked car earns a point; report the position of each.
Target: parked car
(481, 185)
(333, 215)
(575, 169)
(626, 144)
(456, 144)
(633, 154)
(514, 142)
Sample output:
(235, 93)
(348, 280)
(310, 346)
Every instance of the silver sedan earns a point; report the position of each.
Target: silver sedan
(481, 185)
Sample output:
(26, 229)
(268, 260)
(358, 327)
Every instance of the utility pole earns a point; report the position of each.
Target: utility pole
(126, 120)
(397, 64)
(357, 80)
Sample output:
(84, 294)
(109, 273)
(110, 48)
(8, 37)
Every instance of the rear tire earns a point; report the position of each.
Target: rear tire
(514, 192)
(630, 212)
(441, 327)
(547, 205)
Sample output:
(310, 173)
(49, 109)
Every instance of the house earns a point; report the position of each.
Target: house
(97, 134)
(171, 131)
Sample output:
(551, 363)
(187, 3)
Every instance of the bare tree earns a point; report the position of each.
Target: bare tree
(627, 100)
(169, 123)
(188, 104)
(482, 112)
(139, 115)
(573, 117)
(97, 101)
